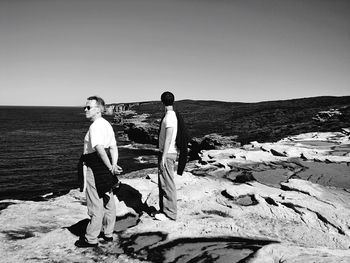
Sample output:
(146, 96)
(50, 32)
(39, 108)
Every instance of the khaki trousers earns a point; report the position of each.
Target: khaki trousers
(166, 186)
(102, 218)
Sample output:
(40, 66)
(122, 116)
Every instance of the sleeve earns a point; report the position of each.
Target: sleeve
(96, 135)
(170, 121)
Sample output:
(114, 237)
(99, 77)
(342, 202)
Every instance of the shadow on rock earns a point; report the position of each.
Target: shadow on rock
(79, 228)
(244, 200)
(4, 205)
(243, 177)
(27, 232)
(153, 247)
(122, 223)
(133, 199)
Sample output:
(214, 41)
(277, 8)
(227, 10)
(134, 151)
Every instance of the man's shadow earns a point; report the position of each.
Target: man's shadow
(132, 198)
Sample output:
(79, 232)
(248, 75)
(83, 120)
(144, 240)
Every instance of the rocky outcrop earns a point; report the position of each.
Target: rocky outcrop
(115, 108)
(333, 115)
(140, 130)
(258, 203)
(210, 142)
(142, 133)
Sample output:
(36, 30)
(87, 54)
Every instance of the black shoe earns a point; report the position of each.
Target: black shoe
(82, 243)
(107, 239)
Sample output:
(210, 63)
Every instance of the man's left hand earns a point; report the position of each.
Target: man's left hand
(163, 161)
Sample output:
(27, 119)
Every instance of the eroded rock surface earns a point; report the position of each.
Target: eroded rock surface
(276, 202)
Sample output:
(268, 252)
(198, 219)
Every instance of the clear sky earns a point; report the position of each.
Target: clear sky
(58, 52)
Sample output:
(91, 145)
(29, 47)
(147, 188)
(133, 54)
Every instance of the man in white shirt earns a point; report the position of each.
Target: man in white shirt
(99, 170)
(166, 161)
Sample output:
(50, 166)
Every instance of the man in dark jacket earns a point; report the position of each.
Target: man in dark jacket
(169, 146)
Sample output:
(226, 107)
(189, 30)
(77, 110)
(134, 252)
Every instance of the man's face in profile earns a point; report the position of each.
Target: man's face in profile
(91, 109)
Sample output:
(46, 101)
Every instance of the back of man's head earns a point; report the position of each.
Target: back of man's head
(167, 98)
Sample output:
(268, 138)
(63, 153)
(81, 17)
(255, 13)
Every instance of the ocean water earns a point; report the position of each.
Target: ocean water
(41, 146)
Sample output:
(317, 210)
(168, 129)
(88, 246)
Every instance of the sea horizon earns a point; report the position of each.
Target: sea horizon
(41, 149)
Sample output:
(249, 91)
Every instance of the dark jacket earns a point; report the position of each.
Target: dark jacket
(181, 142)
(104, 179)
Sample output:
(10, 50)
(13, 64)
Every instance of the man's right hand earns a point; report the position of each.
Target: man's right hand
(117, 169)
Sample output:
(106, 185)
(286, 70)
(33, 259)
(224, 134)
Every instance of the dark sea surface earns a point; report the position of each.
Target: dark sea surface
(40, 148)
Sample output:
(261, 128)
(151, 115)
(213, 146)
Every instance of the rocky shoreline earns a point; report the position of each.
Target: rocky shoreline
(287, 201)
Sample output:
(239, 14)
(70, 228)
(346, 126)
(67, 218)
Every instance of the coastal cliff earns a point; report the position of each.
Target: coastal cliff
(262, 202)
(216, 124)
(261, 121)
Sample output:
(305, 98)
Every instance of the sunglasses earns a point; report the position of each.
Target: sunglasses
(89, 107)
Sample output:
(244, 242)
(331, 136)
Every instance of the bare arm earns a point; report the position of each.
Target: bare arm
(115, 155)
(113, 167)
